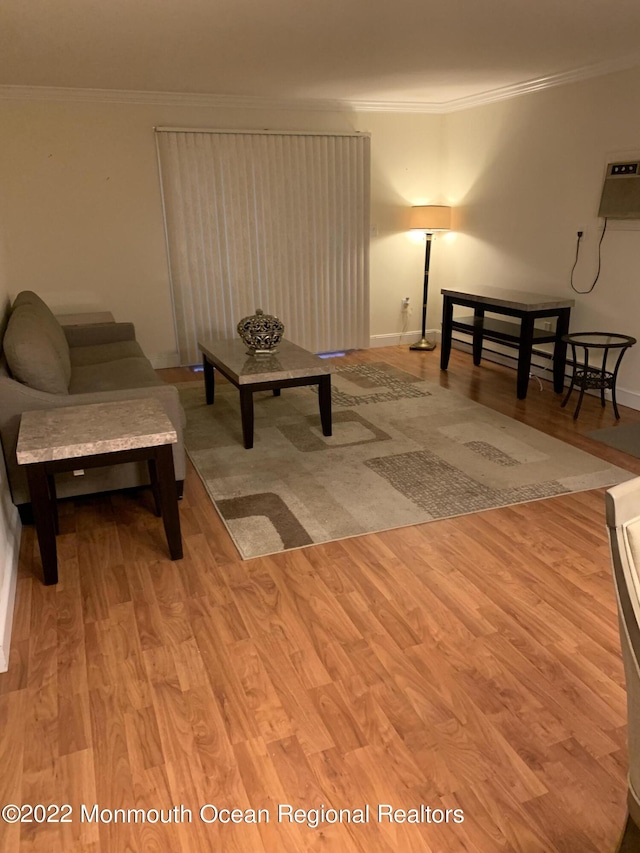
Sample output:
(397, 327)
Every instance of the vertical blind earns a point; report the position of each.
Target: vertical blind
(267, 220)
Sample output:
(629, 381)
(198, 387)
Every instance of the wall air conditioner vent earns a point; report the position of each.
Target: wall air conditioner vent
(621, 191)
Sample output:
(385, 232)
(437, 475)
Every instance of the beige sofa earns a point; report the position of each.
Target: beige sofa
(43, 366)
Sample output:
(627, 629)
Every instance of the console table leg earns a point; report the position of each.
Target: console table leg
(524, 355)
(560, 350)
(246, 411)
(44, 517)
(169, 499)
(478, 324)
(324, 399)
(447, 331)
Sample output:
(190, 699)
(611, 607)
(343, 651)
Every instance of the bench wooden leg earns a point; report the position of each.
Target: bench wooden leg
(45, 518)
(169, 499)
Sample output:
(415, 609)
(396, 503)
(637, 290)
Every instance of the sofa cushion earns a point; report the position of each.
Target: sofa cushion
(50, 325)
(113, 376)
(32, 356)
(105, 352)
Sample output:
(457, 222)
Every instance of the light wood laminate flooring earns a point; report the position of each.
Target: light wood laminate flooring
(471, 663)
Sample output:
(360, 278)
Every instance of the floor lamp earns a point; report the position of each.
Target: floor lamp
(428, 218)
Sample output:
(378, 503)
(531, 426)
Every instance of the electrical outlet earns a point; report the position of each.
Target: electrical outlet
(547, 326)
(624, 168)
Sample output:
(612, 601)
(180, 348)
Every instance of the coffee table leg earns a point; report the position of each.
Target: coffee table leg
(324, 398)
(44, 517)
(246, 410)
(169, 499)
(209, 380)
(276, 392)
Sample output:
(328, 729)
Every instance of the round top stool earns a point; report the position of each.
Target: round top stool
(588, 376)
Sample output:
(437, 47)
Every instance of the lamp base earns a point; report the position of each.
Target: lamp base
(423, 344)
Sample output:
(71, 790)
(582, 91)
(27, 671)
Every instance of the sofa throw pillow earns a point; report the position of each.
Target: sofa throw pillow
(50, 324)
(31, 354)
(48, 318)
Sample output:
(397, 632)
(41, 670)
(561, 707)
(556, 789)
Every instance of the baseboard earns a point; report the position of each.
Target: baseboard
(165, 359)
(542, 367)
(396, 339)
(628, 398)
(9, 559)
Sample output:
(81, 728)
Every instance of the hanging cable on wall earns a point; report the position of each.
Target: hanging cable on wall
(575, 263)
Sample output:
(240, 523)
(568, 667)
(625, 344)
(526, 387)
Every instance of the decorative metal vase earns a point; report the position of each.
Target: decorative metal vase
(261, 332)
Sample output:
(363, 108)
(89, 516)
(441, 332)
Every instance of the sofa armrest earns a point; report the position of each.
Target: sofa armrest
(93, 334)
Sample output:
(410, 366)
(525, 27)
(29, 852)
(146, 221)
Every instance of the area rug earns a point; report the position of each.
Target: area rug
(403, 451)
(624, 437)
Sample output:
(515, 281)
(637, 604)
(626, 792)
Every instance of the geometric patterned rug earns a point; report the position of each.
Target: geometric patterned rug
(403, 451)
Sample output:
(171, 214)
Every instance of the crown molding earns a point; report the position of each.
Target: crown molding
(175, 99)
(599, 69)
(186, 99)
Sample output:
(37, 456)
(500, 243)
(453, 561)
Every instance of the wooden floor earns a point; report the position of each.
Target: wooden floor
(469, 664)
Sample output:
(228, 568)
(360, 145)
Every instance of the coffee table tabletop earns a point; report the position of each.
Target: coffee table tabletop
(288, 362)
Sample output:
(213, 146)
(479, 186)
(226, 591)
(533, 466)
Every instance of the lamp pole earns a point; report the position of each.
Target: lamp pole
(428, 218)
(423, 343)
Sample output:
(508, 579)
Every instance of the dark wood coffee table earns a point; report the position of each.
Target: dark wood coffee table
(288, 367)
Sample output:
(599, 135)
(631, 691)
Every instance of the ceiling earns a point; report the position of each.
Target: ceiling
(403, 52)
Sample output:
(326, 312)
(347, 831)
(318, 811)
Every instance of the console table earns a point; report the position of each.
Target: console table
(76, 437)
(523, 307)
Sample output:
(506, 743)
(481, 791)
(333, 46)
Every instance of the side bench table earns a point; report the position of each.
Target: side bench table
(525, 308)
(67, 439)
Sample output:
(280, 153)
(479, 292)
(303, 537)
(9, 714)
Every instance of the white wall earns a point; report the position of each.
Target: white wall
(86, 229)
(525, 175)
(10, 527)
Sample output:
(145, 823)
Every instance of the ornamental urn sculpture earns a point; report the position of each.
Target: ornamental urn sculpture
(261, 333)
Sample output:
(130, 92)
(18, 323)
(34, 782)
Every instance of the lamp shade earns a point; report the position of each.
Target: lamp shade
(430, 217)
